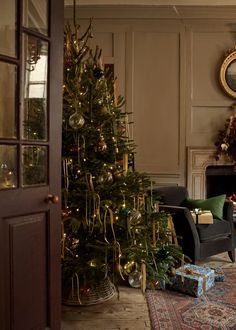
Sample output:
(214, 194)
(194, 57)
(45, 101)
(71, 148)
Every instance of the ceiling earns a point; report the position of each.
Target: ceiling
(153, 2)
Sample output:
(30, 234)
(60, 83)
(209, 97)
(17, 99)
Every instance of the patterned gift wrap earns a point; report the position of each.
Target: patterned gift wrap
(193, 280)
(219, 274)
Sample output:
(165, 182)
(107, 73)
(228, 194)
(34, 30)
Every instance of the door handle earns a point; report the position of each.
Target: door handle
(54, 199)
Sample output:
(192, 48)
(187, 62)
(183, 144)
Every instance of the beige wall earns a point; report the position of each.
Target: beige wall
(167, 61)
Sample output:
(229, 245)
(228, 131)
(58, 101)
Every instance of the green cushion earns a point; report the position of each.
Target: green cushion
(213, 204)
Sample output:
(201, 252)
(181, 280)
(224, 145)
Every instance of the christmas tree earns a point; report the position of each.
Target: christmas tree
(111, 226)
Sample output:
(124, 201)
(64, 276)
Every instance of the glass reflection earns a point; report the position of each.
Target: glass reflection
(7, 100)
(35, 15)
(8, 28)
(231, 75)
(34, 165)
(8, 167)
(35, 89)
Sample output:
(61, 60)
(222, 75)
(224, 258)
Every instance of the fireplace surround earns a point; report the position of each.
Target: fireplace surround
(199, 162)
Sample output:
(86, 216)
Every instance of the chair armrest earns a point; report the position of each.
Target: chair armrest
(185, 230)
(228, 213)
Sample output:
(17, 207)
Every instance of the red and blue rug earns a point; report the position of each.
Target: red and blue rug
(213, 311)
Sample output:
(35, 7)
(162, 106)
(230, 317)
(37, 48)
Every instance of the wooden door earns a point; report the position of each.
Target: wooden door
(31, 67)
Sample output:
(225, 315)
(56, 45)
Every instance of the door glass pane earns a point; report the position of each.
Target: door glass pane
(7, 100)
(8, 28)
(34, 165)
(35, 70)
(8, 166)
(35, 15)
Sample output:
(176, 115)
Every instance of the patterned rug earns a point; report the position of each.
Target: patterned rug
(213, 311)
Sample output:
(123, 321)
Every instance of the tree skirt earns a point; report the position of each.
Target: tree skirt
(214, 310)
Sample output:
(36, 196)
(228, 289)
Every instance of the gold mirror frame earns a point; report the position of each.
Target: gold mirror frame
(228, 74)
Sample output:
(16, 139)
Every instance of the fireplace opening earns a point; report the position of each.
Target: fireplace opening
(220, 179)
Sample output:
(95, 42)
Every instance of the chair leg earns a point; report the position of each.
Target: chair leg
(232, 255)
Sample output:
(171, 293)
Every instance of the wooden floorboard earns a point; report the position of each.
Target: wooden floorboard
(129, 312)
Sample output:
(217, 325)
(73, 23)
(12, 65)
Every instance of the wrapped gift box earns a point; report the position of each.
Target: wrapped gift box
(219, 274)
(193, 280)
(203, 217)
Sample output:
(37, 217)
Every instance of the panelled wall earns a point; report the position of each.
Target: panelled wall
(167, 61)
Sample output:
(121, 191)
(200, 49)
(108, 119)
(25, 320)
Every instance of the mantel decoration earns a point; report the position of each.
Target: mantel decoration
(111, 228)
(226, 140)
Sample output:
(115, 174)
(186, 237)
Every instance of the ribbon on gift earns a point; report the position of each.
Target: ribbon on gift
(189, 271)
(202, 216)
(197, 212)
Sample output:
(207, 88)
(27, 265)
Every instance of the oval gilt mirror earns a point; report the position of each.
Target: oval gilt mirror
(228, 74)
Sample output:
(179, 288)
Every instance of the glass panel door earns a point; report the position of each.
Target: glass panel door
(8, 28)
(8, 96)
(25, 118)
(30, 112)
(34, 165)
(8, 78)
(35, 15)
(34, 98)
(8, 166)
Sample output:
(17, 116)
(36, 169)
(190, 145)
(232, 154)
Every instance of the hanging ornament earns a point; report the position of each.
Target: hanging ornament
(129, 267)
(76, 120)
(118, 174)
(135, 217)
(135, 279)
(121, 129)
(65, 213)
(98, 72)
(124, 212)
(101, 146)
(74, 243)
(106, 177)
(74, 149)
(76, 173)
(68, 62)
(131, 161)
(103, 110)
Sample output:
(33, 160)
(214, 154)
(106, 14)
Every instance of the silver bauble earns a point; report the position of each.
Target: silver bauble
(135, 279)
(76, 120)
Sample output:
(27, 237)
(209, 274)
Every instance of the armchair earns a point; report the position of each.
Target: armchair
(198, 241)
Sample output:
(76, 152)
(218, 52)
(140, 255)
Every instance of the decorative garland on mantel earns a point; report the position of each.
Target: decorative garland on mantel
(226, 140)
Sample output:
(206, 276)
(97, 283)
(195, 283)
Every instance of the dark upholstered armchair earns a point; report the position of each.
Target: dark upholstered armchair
(198, 241)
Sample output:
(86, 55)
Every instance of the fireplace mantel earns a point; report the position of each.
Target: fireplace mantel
(197, 161)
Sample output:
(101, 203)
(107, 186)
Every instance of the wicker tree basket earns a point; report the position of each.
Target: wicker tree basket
(91, 294)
